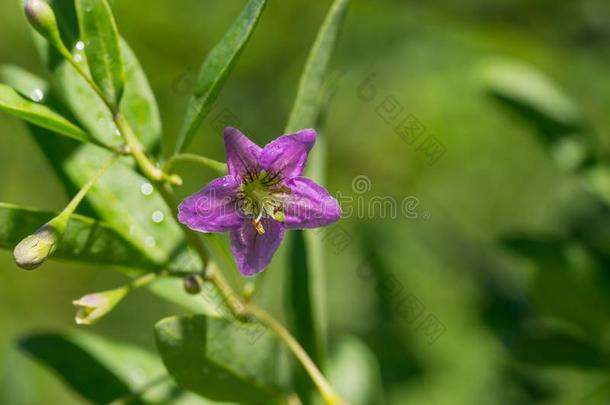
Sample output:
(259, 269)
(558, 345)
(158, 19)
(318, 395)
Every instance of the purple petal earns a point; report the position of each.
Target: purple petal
(309, 205)
(287, 155)
(242, 153)
(252, 251)
(212, 209)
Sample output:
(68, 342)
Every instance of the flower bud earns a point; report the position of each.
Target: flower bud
(94, 306)
(35, 249)
(42, 18)
(192, 284)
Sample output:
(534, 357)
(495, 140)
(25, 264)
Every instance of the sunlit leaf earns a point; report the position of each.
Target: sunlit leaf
(306, 107)
(533, 96)
(102, 47)
(216, 69)
(221, 359)
(305, 285)
(98, 369)
(38, 114)
(85, 239)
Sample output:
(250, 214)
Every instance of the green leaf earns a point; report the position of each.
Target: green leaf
(221, 359)
(98, 369)
(305, 287)
(306, 108)
(24, 82)
(138, 103)
(354, 372)
(530, 94)
(118, 198)
(38, 114)
(85, 239)
(102, 47)
(216, 69)
(531, 90)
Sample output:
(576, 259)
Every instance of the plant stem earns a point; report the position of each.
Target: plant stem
(233, 301)
(151, 171)
(327, 392)
(73, 204)
(219, 167)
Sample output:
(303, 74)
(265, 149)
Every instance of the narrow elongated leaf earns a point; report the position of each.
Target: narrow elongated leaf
(216, 69)
(101, 370)
(24, 82)
(532, 91)
(306, 286)
(138, 103)
(102, 47)
(533, 96)
(306, 107)
(85, 240)
(221, 359)
(38, 114)
(123, 198)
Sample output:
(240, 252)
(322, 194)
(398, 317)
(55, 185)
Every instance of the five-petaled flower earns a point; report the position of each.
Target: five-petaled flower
(264, 194)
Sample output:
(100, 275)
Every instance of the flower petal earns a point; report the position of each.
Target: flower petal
(287, 155)
(213, 209)
(242, 153)
(252, 251)
(309, 205)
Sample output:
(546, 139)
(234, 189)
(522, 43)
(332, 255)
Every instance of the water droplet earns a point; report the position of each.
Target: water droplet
(114, 129)
(157, 216)
(37, 95)
(80, 45)
(146, 188)
(78, 58)
(150, 241)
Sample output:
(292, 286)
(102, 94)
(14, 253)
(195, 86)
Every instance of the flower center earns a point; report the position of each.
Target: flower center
(260, 196)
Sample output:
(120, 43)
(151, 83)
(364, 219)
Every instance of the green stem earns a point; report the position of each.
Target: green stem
(147, 167)
(219, 167)
(329, 396)
(73, 204)
(231, 299)
(146, 279)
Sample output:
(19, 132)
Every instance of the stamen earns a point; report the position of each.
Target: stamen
(258, 226)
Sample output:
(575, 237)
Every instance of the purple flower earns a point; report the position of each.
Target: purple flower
(264, 194)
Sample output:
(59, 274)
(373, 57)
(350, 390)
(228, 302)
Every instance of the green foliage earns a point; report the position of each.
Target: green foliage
(102, 47)
(100, 370)
(85, 239)
(216, 70)
(354, 371)
(38, 114)
(222, 359)
(305, 286)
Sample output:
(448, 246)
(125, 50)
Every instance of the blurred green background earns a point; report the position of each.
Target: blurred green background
(508, 250)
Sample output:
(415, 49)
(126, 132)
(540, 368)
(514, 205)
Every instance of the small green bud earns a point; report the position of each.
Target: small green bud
(94, 306)
(36, 248)
(192, 284)
(249, 290)
(42, 18)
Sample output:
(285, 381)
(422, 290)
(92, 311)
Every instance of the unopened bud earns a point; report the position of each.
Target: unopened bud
(94, 306)
(42, 18)
(36, 248)
(193, 284)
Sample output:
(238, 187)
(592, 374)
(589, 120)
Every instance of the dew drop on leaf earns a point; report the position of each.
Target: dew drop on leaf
(37, 95)
(146, 188)
(157, 216)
